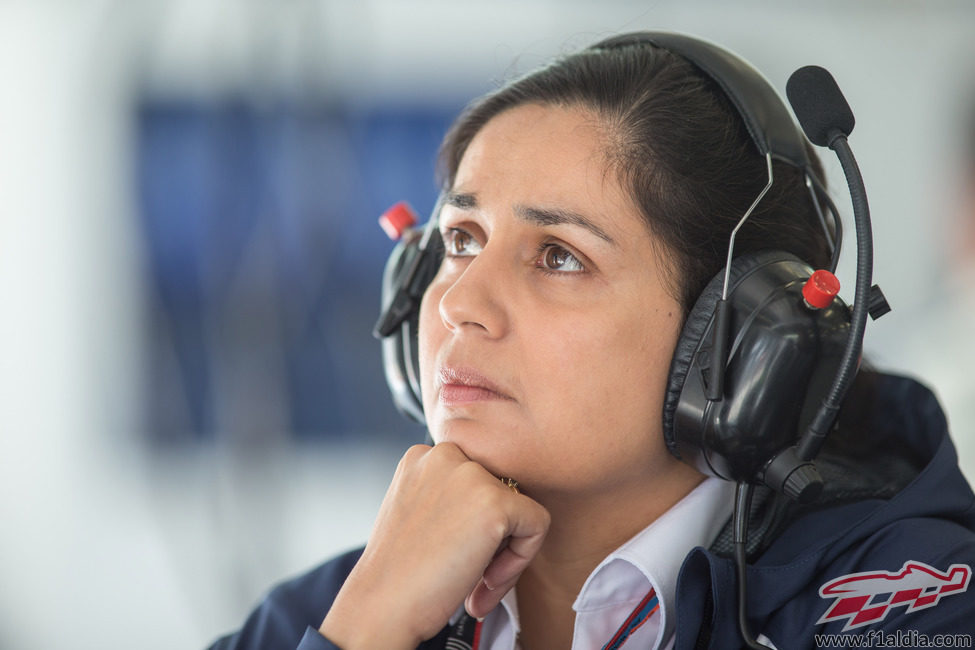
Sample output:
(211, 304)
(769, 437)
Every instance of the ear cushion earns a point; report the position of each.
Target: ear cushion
(697, 324)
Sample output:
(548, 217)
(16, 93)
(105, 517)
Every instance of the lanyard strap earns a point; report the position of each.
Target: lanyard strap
(640, 615)
(465, 634)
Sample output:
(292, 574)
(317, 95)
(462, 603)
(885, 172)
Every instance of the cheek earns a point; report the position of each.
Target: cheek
(607, 378)
(644, 350)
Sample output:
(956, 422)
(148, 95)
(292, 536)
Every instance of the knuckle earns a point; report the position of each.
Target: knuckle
(448, 450)
(411, 457)
(495, 525)
(417, 451)
(464, 477)
(491, 503)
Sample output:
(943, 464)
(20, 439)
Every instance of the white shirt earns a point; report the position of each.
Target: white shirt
(652, 558)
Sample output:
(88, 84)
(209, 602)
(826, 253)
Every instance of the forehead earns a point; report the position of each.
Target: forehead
(547, 140)
(549, 156)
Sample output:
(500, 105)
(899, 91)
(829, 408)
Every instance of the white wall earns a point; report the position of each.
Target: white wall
(100, 544)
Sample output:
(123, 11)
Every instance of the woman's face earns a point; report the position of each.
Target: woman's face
(547, 334)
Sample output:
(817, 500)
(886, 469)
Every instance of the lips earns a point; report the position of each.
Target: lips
(463, 385)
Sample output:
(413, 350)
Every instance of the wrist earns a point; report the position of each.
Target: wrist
(360, 622)
(353, 636)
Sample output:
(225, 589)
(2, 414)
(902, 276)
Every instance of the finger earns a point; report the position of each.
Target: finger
(529, 522)
(500, 576)
(506, 565)
(528, 525)
(482, 600)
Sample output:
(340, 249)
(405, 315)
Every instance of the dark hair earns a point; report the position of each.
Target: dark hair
(679, 146)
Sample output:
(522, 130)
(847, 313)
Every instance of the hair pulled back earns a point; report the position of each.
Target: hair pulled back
(679, 148)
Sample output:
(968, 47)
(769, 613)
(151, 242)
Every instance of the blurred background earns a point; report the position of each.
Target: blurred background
(191, 404)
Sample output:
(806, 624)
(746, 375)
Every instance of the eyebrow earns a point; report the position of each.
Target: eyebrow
(538, 216)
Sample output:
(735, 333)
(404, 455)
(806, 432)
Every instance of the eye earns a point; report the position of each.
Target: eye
(556, 258)
(460, 243)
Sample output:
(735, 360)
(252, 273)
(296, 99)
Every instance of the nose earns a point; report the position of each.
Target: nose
(475, 300)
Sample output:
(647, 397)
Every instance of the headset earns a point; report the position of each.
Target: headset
(767, 351)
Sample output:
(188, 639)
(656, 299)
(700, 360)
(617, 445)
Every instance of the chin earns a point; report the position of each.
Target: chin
(482, 444)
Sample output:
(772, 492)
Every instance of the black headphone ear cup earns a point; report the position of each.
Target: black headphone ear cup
(398, 368)
(394, 363)
(782, 357)
(697, 326)
(400, 350)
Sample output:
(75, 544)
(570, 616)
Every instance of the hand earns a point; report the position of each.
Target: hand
(448, 530)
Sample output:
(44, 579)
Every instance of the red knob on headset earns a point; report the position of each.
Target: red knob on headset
(820, 289)
(397, 219)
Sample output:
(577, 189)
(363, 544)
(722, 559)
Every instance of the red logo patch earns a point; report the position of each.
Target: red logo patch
(868, 597)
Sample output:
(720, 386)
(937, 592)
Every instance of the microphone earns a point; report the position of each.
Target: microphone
(819, 105)
(827, 120)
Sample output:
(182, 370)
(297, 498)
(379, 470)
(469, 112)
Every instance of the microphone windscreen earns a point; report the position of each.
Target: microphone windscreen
(819, 104)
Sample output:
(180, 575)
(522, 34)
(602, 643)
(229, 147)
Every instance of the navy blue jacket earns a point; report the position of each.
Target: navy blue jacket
(897, 508)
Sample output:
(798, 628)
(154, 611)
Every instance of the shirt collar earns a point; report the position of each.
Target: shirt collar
(656, 553)
(654, 556)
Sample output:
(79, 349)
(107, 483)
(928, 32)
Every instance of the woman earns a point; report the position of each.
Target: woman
(586, 206)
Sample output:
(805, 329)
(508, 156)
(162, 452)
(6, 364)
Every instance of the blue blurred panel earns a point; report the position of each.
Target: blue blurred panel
(271, 214)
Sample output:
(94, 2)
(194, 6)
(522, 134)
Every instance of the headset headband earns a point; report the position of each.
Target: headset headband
(766, 117)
